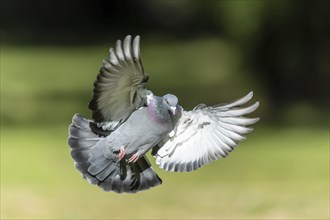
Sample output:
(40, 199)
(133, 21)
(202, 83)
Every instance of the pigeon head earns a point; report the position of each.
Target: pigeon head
(170, 102)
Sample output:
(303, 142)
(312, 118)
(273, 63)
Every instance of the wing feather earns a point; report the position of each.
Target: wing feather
(205, 134)
(120, 86)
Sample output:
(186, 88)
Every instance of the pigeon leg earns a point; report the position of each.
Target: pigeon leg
(122, 153)
(133, 158)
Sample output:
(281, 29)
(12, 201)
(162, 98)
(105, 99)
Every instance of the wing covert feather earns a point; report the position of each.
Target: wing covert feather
(120, 86)
(205, 134)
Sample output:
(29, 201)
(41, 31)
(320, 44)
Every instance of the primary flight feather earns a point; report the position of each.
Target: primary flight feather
(129, 120)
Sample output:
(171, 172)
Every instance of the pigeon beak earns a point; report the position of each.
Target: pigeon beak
(173, 109)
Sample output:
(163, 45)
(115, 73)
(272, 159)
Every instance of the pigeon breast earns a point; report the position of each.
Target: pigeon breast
(145, 127)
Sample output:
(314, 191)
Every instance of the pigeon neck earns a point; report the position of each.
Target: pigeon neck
(157, 111)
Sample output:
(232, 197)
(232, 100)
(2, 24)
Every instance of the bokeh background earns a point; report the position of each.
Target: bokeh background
(202, 51)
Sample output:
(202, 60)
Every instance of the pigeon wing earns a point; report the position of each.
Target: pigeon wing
(205, 134)
(120, 86)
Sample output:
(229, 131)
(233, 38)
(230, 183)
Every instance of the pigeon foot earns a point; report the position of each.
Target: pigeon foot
(133, 158)
(122, 153)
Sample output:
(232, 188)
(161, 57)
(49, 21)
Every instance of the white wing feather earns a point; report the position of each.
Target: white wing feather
(205, 134)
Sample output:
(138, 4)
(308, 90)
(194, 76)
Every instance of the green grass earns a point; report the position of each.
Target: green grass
(274, 174)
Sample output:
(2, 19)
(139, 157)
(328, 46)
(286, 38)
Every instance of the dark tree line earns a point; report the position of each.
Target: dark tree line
(286, 42)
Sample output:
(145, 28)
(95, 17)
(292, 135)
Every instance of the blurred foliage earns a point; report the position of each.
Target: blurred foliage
(52, 83)
(279, 49)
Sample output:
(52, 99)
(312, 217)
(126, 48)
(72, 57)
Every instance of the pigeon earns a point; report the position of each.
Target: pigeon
(128, 120)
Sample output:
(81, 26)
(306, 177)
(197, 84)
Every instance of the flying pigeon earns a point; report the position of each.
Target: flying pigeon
(129, 120)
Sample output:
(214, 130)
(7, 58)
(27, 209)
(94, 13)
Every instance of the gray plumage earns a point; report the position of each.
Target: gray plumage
(99, 164)
(123, 78)
(128, 121)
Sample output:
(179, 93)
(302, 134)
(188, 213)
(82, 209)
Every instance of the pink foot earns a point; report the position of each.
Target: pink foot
(133, 158)
(122, 153)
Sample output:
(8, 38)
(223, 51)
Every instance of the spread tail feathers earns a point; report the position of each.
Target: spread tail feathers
(104, 170)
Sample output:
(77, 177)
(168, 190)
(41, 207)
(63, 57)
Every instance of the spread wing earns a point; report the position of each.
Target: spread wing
(205, 134)
(120, 86)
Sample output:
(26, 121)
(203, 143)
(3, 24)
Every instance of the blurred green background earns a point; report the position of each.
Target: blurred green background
(202, 51)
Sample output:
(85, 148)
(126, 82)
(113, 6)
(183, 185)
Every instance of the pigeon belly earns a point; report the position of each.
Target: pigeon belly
(140, 132)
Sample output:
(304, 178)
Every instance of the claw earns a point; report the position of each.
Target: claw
(122, 153)
(133, 158)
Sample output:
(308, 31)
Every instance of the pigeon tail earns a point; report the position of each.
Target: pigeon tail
(104, 169)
